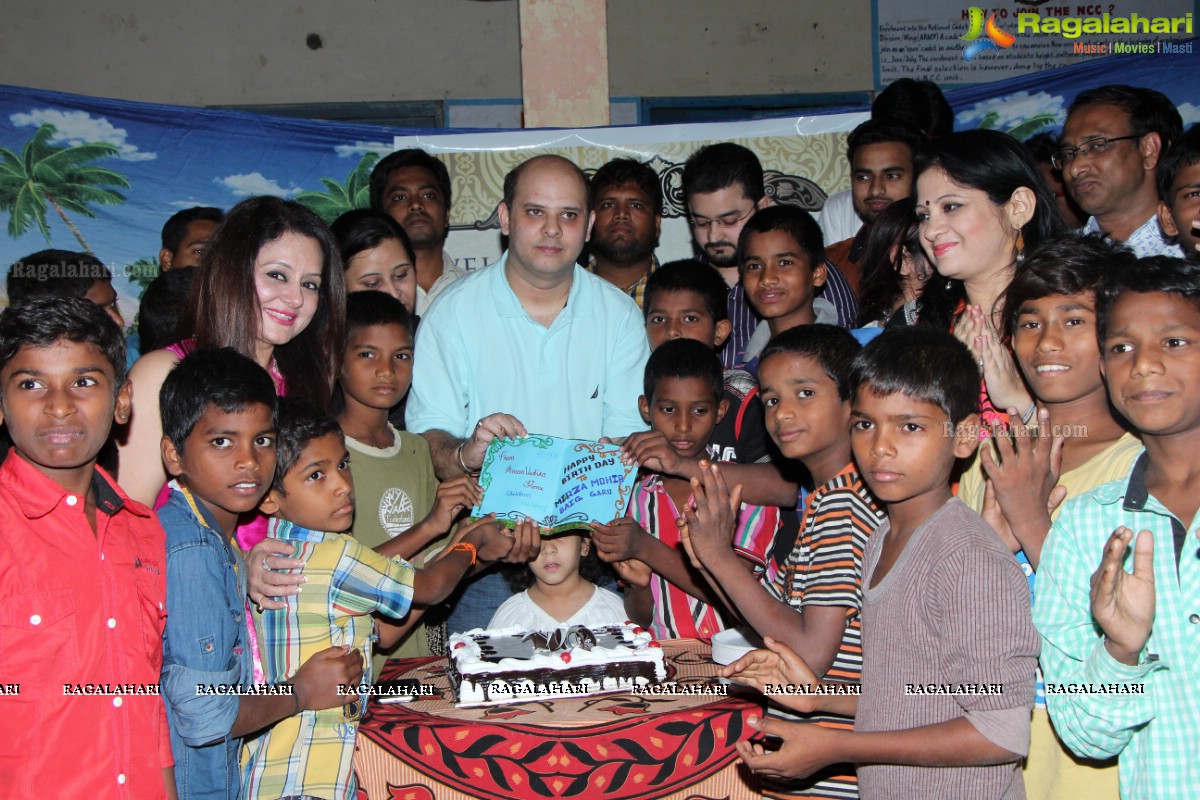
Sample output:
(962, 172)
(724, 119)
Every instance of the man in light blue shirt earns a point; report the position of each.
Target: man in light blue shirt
(533, 344)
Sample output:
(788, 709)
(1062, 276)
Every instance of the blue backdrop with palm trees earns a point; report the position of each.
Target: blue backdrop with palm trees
(85, 173)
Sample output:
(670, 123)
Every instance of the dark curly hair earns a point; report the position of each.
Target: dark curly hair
(591, 568)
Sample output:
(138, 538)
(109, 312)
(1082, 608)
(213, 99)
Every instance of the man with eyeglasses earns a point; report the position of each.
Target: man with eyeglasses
(1108, 154)
(723, 187)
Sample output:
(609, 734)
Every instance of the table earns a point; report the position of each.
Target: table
(610, 747)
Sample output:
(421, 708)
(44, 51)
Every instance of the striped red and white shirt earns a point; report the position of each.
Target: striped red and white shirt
(678, 615)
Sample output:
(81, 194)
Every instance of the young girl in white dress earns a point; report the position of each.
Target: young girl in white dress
(560, 590)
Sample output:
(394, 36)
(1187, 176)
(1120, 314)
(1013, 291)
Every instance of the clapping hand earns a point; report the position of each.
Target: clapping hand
(1123, 602)
(707, 526)
(1003, 379)
(1022, 485)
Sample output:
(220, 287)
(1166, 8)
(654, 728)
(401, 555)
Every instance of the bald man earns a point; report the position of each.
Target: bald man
(531, 344)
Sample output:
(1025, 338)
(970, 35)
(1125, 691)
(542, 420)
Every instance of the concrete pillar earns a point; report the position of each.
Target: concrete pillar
(564, 63)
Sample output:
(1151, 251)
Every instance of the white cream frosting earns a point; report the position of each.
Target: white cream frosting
(468, 661)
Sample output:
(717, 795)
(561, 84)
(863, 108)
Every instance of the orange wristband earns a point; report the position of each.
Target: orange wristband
(466, 547)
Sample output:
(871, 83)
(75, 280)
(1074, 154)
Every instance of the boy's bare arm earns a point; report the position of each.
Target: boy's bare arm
(673, 565)
(412, 541)
(623, 539)
(768, 487)
(639, 605)
(453, 497)
(816, 635)
(391, 632)
(436, 581)
(314, 687)
(762, 484)
(806, 748)
(639, 600)
(781, 673)
(714, 585)
(735, 614)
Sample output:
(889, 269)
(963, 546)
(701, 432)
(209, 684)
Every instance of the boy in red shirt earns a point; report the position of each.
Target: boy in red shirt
(82, 570)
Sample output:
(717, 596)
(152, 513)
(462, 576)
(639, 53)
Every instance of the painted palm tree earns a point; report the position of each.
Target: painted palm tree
(63, 177)
(1025, 128)
(342, 197)
(142, 272)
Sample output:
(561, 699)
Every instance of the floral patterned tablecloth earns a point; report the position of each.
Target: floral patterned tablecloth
(610, 747)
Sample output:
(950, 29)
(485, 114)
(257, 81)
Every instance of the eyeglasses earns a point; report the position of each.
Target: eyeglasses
(724, 221)
(1089, 147)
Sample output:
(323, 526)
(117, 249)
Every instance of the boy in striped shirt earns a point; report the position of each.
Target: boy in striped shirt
(814, 605)
(682, 401)
(311, 504)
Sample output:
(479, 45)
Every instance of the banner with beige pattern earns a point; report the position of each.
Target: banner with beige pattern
(803, 162)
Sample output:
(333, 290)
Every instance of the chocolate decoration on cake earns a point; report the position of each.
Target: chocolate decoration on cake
(561, 639)
(513, 665)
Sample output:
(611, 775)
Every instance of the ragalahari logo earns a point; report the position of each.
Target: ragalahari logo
(996, 38)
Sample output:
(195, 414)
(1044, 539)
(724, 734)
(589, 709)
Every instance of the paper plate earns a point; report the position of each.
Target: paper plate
(730, 645)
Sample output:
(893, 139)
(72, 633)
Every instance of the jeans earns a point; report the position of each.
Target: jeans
(477, 602)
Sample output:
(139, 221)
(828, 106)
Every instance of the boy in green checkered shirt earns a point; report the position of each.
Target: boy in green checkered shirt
(311, 504)
(1121, 651)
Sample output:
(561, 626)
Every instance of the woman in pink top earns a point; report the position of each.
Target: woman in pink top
(981, 203)
(272, 288)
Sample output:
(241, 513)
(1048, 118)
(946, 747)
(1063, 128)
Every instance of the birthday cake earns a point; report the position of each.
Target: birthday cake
(512, 665)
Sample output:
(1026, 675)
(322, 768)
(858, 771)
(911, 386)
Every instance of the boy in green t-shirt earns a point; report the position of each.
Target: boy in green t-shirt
(401, 510)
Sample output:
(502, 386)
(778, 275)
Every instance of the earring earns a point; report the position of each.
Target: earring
(1020, 247)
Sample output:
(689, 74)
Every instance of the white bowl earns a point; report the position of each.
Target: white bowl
(730, 645)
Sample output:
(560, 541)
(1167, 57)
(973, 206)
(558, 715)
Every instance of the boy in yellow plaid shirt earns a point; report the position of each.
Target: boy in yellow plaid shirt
(311, 504)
